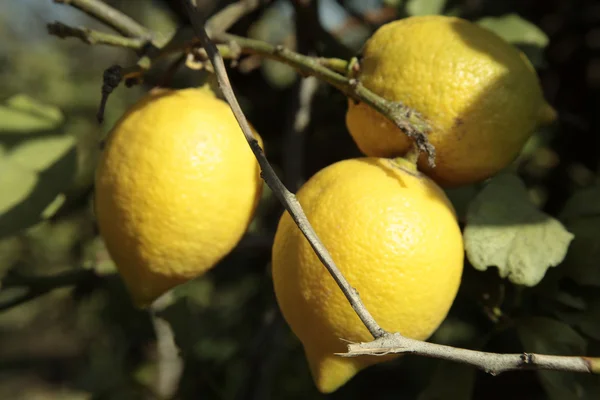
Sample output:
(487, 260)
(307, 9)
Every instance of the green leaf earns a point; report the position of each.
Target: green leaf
(23, 115)
(450, 381)
(548, 336)
(32, 176)
(588, 320)
(514, 29)
(460, 198)
(504, 229)
(583, 203)
(521, 33)
(425, 7)
(41, 153)
(582, 261)
(581, 216)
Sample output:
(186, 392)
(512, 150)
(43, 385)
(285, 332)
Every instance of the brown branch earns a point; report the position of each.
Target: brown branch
(492, 363)
(108, 15)
(384, 343)
(328, 70)
(270, 177)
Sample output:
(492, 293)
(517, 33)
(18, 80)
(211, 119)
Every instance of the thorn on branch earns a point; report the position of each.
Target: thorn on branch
(111, 79)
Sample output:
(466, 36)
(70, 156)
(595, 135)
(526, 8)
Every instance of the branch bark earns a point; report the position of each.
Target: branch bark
(270, 177)
(110, 16)
(384, 343)
(492, 363)
(91, 36)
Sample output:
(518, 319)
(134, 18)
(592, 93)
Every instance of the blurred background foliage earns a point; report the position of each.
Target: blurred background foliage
(67, 328)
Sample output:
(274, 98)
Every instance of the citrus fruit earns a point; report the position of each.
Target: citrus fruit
(393, 234)
(480, 95)
(176, 188)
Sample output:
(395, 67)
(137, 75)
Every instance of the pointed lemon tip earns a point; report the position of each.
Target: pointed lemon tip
(330, 372)
(548, 114)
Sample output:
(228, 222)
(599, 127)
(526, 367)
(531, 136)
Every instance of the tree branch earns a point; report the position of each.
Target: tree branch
(270, 177)
(384, 343)
(491, 363)
(409, 121)
(91, 36)
(110, 16)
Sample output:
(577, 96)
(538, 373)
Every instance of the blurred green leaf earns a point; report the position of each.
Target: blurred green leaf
(16, 183)
(582, 261)
(41, 153)
(520, 32)
(450, 381)
(548, 336)
(587, 320)
(23, 115)
(504, 229)
(33, 175)
(276, 26)
(514, 29)
(583, 203)
(460, 198)
(425, 7)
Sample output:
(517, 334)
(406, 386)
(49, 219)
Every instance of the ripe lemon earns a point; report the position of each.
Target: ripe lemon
(393, 234)
(176, 188)
(480, 95)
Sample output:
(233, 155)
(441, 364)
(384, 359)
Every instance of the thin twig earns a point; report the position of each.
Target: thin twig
(91, 36)
(491, 363)
(108, 15)
(228, 16)
(384, 343)
(410, 122)
(270, 177)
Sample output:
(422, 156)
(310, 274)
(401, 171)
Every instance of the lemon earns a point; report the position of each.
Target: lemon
(393, 234)
(480, 95)
(176, 188)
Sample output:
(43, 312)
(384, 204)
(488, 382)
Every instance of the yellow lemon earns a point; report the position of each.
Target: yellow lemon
(480, 95)
(393, 234)
(176, 188)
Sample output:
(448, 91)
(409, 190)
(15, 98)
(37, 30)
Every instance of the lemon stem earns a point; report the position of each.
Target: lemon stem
(413, 154)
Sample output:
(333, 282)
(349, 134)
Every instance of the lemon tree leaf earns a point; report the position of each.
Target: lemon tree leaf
(23, 115)
(582, 261)
(581, 215)
(583, 203)
(425, 7)
(514, 29)
(41, 153)
(548, 336)
(32, 176)
(504, 229)
(16, 183)
(520, 32)
(450, 381)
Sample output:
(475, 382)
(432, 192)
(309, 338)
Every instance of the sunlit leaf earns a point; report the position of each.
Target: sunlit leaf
(504, 229)
(41, 153)
(425, 7)
(520, 32)
(32, 176)
(23, 115)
